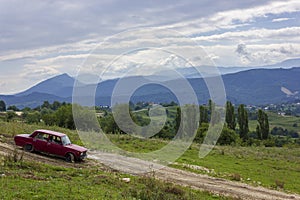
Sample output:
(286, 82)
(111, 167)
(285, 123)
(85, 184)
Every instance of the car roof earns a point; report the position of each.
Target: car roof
(51, 132)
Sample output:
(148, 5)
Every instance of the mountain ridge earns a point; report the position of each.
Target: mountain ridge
(252, 86)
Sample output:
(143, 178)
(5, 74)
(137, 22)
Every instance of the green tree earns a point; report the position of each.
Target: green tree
(33, 117)
(2, 106)
(13, 108)
(262, 128)
(108, 124)
(46, 104)
(126, 121)
(49, 119)
(190, 114)
(227, 137)
(64, 117)
(177, 118)
(230, 116)
(243, 122)
(203, 115)
(85, 118)
(55, 105)
(10, 115)
(211, 107)
(26, 109)
(201, 132)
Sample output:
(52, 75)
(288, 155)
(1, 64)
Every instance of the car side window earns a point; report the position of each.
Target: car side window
(55, 139)
(41, 136)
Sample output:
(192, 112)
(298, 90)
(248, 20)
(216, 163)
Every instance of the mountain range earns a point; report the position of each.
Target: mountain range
(251, 87)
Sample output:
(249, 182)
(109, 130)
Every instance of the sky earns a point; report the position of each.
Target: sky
(42, 39)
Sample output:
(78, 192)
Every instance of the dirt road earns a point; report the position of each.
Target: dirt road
(197, 181)
(136, 166)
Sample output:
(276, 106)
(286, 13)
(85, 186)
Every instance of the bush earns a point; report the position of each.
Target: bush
(269, 142)
(227, 137)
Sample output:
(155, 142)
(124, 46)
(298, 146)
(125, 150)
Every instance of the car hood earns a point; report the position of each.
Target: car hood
(76, 147)
(23, 135)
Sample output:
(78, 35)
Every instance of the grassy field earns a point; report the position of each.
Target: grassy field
(24, 180)
(277, 168)
(33, 180)
(285, 122)
(269, 167)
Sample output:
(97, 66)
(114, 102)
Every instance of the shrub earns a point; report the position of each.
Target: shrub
(279, 184)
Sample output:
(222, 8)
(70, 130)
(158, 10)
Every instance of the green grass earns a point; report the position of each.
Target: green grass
(14, 128)
(285, 122)
(32, 180)
(134, 144)
(255, 165)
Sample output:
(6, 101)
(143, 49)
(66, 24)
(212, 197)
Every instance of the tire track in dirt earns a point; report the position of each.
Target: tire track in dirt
(185, 178)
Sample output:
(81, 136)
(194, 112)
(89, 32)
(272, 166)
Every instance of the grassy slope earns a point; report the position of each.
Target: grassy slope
(30, 180)
(255, 165)
(24, 180)
(261, 165)
(278, 120)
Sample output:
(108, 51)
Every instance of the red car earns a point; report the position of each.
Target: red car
(51, 142)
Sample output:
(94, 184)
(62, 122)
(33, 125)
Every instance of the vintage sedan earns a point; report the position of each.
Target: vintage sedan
(51, 142)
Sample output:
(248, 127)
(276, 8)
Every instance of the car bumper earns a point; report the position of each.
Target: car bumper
(83, 156)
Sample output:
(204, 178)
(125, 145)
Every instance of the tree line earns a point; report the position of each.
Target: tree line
(235, 131)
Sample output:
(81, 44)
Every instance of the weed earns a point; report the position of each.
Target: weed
(14, 157)
(279, 184)
(236, 177)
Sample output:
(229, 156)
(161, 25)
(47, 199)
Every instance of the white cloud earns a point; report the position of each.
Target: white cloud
(235, 18)
(285, 34)
(282, 19)
(47, 38)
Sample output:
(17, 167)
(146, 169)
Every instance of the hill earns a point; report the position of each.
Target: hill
(254, 86)
(61, 86)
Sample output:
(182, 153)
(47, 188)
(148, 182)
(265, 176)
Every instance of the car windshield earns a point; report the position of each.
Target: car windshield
(65, 140)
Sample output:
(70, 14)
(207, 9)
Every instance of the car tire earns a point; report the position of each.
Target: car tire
(70, 158)
(28, 147)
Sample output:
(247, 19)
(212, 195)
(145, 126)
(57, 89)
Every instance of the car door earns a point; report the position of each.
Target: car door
(40, 141)
(54, 145)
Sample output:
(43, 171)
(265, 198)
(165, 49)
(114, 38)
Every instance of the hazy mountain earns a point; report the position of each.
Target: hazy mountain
(290, 63)
(254, 86)
(207, 71)
(61, 85)
(262, 86)
(32, 100)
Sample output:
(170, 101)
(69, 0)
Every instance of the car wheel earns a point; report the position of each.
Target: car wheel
(70, 158)
(28, 148)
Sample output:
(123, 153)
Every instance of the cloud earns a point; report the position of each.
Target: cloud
(289, 50)
(282, 19)
(37, 74)
(51, 37)
(255, 35)
(244, 54)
